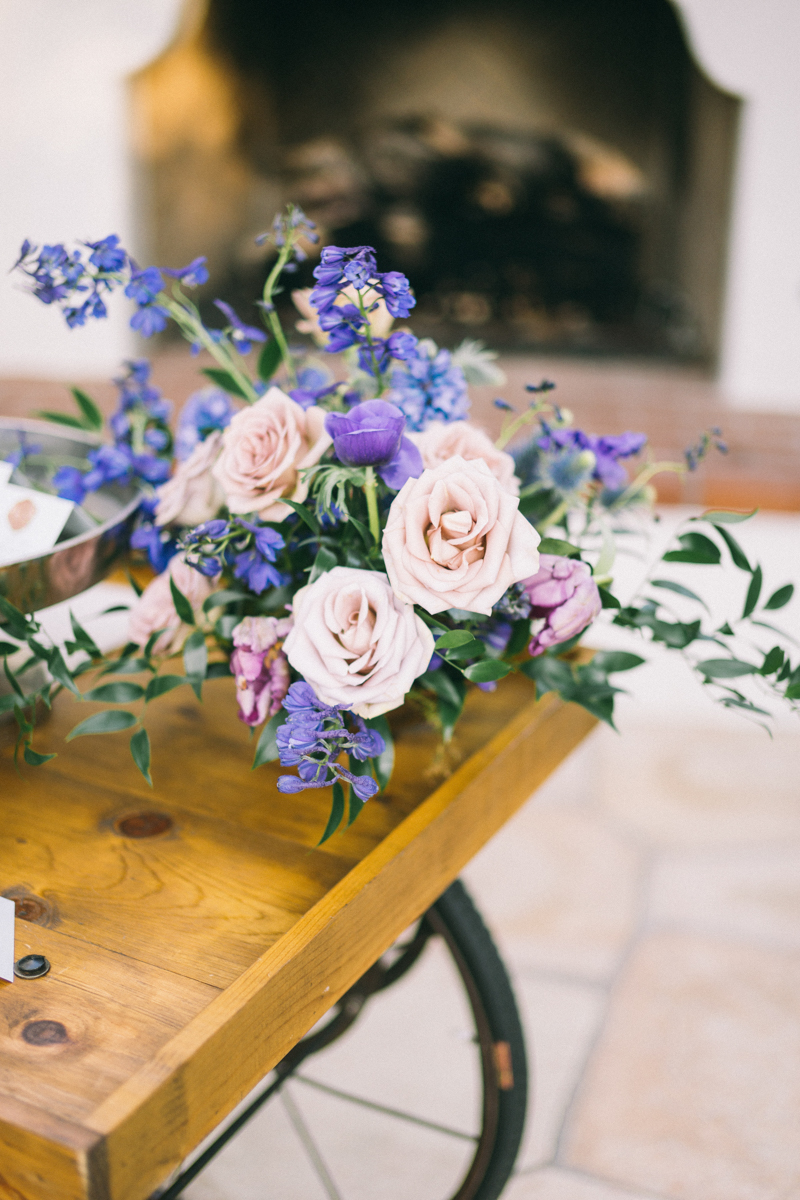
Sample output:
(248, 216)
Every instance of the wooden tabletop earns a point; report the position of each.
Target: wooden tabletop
(196, 933)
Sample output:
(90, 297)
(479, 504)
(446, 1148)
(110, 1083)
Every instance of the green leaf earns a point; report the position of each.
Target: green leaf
(195, 660)
(125, 666)
(607, 599)
(612, 661)
(793, 691)
(8, 648)
(151, 641)
(182, 606)
(226, 381)
(220, 599)
(161, 684)
(306, 515)
(140, 752)
(36, 760)
(364, 533)
(383, 765)
(82, 639)
(267, 747)
(772, 662)
(136, 587)
(456, 637)
(12, 679)
(269, 360)
(60, 671)
(473, 649)
(556, 546)
(115, 693)
(60, 418)
(450, 694)
(753, 592)
(601, 706)
(550, 674)
(218, 670)
(777, 600)
(725, 668)
(356, 804)
(537, 503)
(337, 812)
(92, 417)
(679, 590)
(737, 553)
(325, 561)
(18, 626)
(520, 636)
(110, 721)
(721, 517)
(487, 670)
(695, 548)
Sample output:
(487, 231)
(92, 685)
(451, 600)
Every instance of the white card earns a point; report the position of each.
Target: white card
(6, 939)
(6, 471)
(30, 522)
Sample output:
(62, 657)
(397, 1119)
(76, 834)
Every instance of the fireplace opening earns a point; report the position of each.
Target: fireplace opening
(550, 174)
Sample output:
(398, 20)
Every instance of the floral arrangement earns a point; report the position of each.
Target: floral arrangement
(343, 541)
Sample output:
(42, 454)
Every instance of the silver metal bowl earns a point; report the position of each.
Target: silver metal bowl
(94, 537)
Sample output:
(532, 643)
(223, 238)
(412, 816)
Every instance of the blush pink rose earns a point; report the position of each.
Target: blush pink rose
(355, 642)
(192, 495)
(455, 539)
(441, 441)
(260, 667)
(263, 449)
(155, 610)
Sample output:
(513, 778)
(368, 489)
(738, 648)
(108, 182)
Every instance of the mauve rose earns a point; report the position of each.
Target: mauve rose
(455, 539)
(355, 642)
(192, 495)
(155, 610)
(441, 441)
(260, 667)
(564, 597)
(263, 449)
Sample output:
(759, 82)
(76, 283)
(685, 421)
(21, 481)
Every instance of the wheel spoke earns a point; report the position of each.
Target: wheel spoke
(391, 1112)
(309, 1145)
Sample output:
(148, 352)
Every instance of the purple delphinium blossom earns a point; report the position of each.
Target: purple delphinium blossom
(427, 386)
(145, 284)
(371, 434)
(68, 482)
(254, 565)
(149, 319)
(107, 254)
(607, 451)
(193, 275)
(203, 412)
(312, 738)
(242, 335)
(564, 600)
(260, 667)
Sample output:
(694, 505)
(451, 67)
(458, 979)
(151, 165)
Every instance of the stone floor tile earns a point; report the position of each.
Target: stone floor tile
(693, 1091)
(751, 893)
(560, 1019)
(265, 1159)
(552, 1183)
(690, 785)
(559, 890)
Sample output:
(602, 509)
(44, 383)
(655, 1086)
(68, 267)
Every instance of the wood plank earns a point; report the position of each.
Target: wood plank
(45, 1158)
(180, 1095)
(69, 1039)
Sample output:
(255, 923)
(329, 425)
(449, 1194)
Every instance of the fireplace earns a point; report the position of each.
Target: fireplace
(550, 174)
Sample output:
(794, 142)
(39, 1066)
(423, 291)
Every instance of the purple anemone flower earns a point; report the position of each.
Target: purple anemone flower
(371, 435)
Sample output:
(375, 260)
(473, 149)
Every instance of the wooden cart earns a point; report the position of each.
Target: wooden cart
(193, 931)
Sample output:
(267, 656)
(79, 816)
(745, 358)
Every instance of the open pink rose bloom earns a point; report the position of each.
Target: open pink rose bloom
(455, 539)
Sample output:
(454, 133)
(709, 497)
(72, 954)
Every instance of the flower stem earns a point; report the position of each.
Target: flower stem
(271, 315)
(188, 321)
(371, 492)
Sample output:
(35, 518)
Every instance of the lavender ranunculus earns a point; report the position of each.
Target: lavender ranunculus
(371, 435)
(260, 667)
(564, 600)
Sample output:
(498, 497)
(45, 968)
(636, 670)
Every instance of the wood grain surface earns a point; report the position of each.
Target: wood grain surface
(186, 963)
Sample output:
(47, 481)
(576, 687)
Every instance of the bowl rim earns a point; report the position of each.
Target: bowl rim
(27, 425)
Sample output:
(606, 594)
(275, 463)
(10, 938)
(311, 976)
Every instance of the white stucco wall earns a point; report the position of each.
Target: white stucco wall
(752, 48)
(64, 164)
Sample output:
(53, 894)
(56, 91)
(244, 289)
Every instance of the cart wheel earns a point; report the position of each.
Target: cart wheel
(495, 1048)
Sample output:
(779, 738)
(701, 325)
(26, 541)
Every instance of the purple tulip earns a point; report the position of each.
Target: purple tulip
(260, 667)
(371, 435)
(564, 595)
